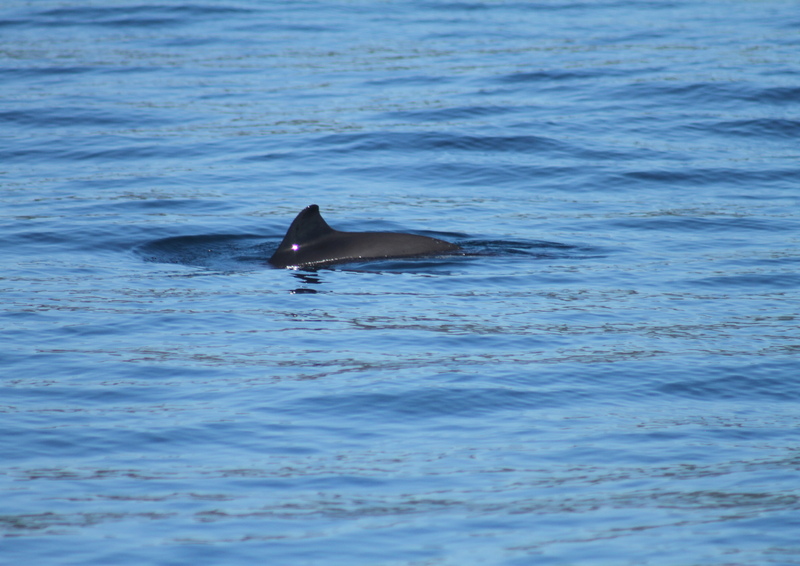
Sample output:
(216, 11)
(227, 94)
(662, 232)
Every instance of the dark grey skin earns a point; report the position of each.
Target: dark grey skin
(310, 242)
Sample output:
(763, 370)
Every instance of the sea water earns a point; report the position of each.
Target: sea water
(609, 373)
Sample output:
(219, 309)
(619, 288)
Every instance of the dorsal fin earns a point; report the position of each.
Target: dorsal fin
(311, 242)
(306, 228)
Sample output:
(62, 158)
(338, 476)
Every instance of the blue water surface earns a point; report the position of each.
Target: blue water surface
(609, 374)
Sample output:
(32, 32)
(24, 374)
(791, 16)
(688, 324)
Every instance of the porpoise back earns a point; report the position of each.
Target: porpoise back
(311, 242)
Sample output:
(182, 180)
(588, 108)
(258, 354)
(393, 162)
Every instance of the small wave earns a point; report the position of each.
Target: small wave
(759, 282)
(431, 403)
(223, 252)
(145, 15)
(408, 141)
(447, 114)
(774, 128)
(559, 75)
(655, 93)
(410, 80)
(693, 177)
(108, 147)
(757, 381)
(65, 116)
(712, 223)
(697, 94)
(777, 95)
(539, 249)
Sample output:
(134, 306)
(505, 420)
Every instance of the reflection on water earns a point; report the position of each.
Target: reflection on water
(306, 279)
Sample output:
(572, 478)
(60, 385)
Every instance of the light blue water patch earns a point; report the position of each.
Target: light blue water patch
(605, 373)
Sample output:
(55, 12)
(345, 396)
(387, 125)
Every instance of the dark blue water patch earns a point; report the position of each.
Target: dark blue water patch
(12, 22)
(701, 376)
(33, 238)
(67, 116)
(306, 28)
(53, 72)
(95, 441)
(447, 170)
(769, 381)
(54, 76)
(193, 42)
(761, 128)
(143, 15)
(409, 80)
(428, 403)
(714, 95)
(47, 396)
(757, 282)
(692, 177)
(454, 6)
(107, 148)
(57, 374)
(432, 141)
(148, 205)
(458, 113)
(781, 95)
(100, 226)
(222, 252)
(469, 174)
(788, 259)
(33, 241)
(580, 7)
(541, 148)
(534, 249)
(561, 75)
(714, 223)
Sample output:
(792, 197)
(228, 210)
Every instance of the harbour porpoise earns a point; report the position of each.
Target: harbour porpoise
(311, 242)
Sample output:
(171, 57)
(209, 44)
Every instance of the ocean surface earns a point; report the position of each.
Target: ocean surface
(608, 374)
